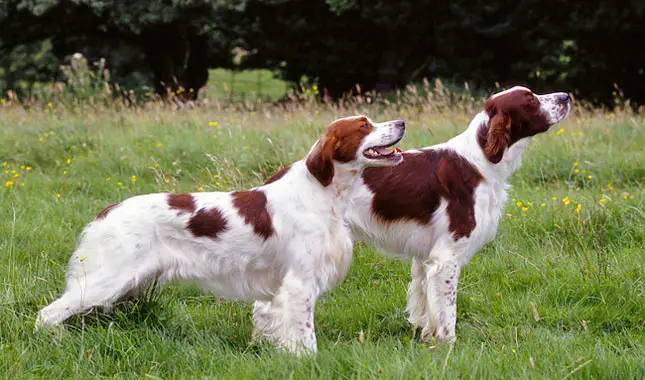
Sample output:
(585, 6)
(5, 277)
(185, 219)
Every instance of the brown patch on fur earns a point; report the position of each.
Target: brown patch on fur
(278, 175)
(340, 142)
(513, 116)
(252, 206)
(106, 211)
(207, 222)
(413, 189)
(182, 202)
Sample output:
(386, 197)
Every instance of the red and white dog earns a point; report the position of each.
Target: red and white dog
(444, 202)
(285, 243)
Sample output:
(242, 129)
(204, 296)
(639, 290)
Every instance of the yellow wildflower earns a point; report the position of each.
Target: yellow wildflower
(554, 198)
(578, 207)
(610, 186)
(57, 195)
(212, 123)
(603, 200)
(542, 204)
(166, 181)
(6, 172)
(159, 145)
(134, 178)
(589, 177)
(525, 209)
(49, 104)
(529, 204)
(28, 168)
(108, 179)
(9, 184)
(576, 163)
(200, 189)
(69, 160)
(576, 171)
(519, 204)
(560, 131)
(625, 196)
(65, 172)
(576, 134)
(4, 163)
(509, 215)
(156, 165)
(41, 139)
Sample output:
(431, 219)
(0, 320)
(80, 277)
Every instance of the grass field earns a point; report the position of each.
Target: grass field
(569, 250)
(245, 85)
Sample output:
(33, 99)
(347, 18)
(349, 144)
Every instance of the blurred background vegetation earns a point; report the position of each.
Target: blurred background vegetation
(258, 49)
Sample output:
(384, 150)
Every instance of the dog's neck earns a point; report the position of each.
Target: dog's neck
(467, 145)
(345, 175)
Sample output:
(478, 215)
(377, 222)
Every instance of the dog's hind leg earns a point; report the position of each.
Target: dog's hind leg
(98, 278)
(417, 298)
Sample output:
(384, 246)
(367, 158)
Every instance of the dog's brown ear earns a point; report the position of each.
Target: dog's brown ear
(319, 161)
(499, 133)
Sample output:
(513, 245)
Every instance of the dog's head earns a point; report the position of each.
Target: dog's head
(518, 113)
(355, 142)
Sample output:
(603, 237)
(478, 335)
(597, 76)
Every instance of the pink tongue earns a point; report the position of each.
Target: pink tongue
(384, 151)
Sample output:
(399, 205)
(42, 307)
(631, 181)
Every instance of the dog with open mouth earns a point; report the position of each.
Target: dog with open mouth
(284, 244)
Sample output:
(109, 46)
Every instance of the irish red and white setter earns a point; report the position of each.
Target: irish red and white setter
(284, 243)
(444, 202)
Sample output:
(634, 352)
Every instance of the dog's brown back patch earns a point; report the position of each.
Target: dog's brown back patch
(278, 175)
(106, 211)
(252, 206)
(208, 222)
(413, 189)
(182, 202)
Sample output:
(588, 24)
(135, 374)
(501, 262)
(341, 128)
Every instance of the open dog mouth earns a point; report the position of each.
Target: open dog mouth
(382, 152)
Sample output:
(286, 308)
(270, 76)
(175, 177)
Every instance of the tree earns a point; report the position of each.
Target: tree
(168, 43)
(578, 47)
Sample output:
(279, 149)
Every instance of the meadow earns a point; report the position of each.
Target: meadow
(558, 294)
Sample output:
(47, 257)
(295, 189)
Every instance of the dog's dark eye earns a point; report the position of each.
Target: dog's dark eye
(531, 99)
(365, 126)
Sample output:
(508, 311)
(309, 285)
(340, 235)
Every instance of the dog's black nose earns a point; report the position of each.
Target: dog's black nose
(399, 124)
(563, 97)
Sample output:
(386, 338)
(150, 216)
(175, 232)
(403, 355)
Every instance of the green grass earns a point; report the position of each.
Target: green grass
(245, 85)
(583, 270)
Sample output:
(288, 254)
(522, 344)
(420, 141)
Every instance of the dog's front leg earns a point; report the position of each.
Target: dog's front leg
(288, 319)
(441, 289)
